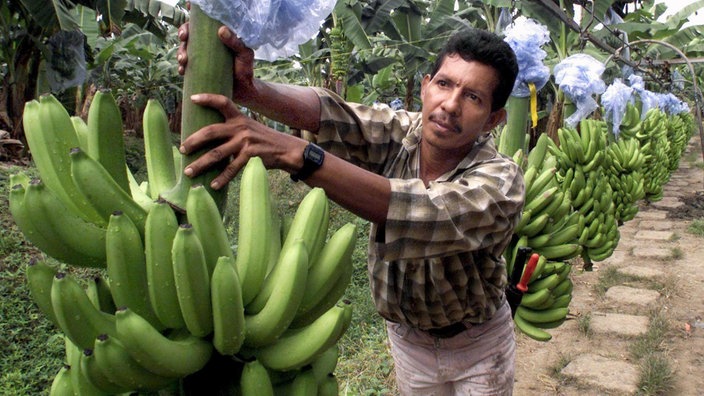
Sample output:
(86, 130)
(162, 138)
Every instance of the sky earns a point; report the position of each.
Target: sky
(675, 5)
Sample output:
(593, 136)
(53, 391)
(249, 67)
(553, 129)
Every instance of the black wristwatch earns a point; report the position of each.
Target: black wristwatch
(313, 157)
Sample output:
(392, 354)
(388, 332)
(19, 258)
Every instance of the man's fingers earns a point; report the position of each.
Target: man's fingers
(220, 103)
(229, 173)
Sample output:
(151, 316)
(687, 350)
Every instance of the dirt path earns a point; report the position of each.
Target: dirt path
(656, 277)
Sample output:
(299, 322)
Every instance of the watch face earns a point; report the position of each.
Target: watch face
(315, 156)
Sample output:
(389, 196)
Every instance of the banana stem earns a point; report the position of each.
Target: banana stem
(516, 125)
(209, 70)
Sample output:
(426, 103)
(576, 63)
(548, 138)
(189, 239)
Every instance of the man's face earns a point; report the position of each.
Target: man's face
(457, 104)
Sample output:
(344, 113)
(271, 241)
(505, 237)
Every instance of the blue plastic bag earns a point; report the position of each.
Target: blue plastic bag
(648, 99)
(671, 104)
(272, 28)
(579, 77)
(615, 99)
(525, 36)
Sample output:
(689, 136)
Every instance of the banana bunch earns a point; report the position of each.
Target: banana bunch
(624, 164)
(546, 303)
(679, 131)
(172, 295)
(631, 123)
(548, 224)
(582, 159)
(655, 146)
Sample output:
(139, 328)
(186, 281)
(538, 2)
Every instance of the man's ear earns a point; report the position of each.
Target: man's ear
(424, 84)
(495, 118)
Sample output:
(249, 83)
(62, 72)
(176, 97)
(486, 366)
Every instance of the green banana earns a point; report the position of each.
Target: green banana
(531, 330)
(82, 131)
(206, 220)
(332, 297)
(85, 240)
(160, 354)
(561, 252)
(95, 375)
(288, 279)
(76, 315)
(326, 363)
(98, 187)
(106, 143)
(40, 277)
(50, 136)
(126, 264)
(542, 200)
(81, 383)
(158, 149)
(310, 223)
(541, 182)
(159, 231)
(542, 316)
(322, 275)
(328, 386)
(228, 307)
(62, 384)
(535, 225)
(300, 347)
(304, 384)
(255, 380)
(253, 244)
(120, 368)
(535, 299)
(192, 281)
(98, 291)
(546, 282)
(139, 192)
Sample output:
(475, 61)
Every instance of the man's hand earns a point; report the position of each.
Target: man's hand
(242, 67)
(241, 138)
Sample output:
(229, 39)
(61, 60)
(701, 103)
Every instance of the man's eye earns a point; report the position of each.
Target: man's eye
(471, 96)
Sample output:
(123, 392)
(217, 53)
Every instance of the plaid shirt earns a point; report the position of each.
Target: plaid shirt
(438, 258)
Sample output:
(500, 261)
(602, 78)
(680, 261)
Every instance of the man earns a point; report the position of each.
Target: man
(442, 202)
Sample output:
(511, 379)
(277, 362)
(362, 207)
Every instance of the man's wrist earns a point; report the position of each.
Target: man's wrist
(313, 157)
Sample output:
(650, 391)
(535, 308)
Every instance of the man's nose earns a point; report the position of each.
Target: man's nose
(451, 104)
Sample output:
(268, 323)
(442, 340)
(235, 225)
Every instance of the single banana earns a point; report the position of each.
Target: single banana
(98, 187)
(255, 380)
(81, 383)
(82, 131)
(561, 252)
(95, 375)
(535, 299)
(288, 279)
(126, 264)
(544, 180)
(303, 385)
(62, 384)
(192, 281)
(40, 277)
(121, 369)
(542, 316)
(228, 307)
(253, 244)
(85, 240)
(161, 355)
(297, 348)
(50, 136)
(98, 291)
(323, 274)
(546, 282)
(531, 330)
(207, 222)
(76, 315)
(158, 148)
(106, 143)
(139, 193)
(159, 231)
(310, 223)
(328, 386)
(326, 363)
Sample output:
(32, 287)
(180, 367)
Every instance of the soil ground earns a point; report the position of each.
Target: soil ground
(658, 243)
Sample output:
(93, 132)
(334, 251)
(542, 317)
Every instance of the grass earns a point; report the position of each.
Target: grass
(696, 227)
(656, 372)
(584, 325)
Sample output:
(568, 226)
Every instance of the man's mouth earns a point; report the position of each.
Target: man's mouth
(445, 124)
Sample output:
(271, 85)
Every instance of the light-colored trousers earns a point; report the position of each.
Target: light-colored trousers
(478, 361)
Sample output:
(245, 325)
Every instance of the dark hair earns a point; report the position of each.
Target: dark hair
(479, 45)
